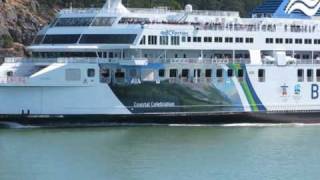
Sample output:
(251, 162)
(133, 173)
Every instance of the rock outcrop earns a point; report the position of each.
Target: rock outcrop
(19, 22)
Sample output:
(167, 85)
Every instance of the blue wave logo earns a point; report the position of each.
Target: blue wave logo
(308, 7)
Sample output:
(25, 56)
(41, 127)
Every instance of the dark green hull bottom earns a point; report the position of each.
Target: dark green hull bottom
(154, 119)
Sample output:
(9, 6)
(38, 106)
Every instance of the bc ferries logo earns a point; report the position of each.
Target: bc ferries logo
(308, 7)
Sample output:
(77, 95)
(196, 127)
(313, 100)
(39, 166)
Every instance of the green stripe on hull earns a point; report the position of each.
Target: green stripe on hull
(246, 90)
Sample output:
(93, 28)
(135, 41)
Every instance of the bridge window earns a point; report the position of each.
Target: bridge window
(61, 39)
(67, 22)
(300, 75)
(108, 39)
(103, 21)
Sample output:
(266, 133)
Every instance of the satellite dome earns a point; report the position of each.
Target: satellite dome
(188, 8)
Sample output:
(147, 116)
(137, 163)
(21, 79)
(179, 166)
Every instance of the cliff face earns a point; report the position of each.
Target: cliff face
(19, 22)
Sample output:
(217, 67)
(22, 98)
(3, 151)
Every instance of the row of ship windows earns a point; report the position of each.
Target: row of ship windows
(290, 41)
(173, 73)
(309, 75)
(86, 39)
(175, 40)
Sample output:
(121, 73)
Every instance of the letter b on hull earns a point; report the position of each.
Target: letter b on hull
(314, 91)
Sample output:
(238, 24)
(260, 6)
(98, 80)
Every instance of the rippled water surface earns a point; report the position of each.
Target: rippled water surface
(161, 153)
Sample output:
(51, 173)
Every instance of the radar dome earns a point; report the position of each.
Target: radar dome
(188, 8)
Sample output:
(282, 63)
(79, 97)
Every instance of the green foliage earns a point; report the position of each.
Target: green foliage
(6, 41)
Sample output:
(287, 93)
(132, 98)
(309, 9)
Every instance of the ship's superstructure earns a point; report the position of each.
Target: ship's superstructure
(119, 61)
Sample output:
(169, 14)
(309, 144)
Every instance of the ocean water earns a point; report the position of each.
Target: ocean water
(161, 153)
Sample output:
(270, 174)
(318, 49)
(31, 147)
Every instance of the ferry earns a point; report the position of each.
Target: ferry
(122, 65)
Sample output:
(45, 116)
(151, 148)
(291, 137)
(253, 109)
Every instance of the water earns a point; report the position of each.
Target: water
(161, 153)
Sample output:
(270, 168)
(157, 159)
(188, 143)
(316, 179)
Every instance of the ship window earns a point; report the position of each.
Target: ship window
(317, 41)
(207, 39)
(175, 40)
(173, 73)
(164, 40)
(228, 39)
(152, 40)
(318, 75)
(262, 75)
(218, 39)
(143, 40)
(67, 22)
(310, 75)
(189, 39)
(239, 40)
(161, 72)
(185, 73)
(73, 75)
(230, 72)
(289, 41)
(240, 73)
(249, 40)
(298, 41)
(308, 41)
(108, 38)
(184, 39)
(103, 21)
(208, 73)
(219, 73)
(131, 20)
(269, 40)
(91, 72)
(279, 40)
(300, 75)
(61, 39)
